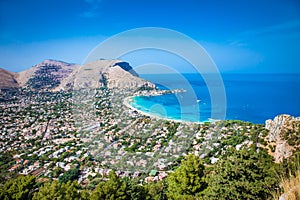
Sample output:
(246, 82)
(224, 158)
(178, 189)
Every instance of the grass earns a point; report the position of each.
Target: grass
(290, 186)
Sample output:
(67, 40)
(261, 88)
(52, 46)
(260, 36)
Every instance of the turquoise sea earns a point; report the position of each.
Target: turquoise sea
(249, 97)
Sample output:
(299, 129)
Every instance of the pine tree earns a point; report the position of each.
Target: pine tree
(187, 180)
(114, 189)
(134, 190)
(18, 188)
(241, 175)
(70, 175)
(57, 190)
(156, 191)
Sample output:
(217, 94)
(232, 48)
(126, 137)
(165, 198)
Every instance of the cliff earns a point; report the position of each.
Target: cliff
(284, 131)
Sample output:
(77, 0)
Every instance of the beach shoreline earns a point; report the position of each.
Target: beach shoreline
(127, 100)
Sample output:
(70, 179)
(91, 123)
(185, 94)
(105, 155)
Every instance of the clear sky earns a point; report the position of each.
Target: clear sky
(240, 35)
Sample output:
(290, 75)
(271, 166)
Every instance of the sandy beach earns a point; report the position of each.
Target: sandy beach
(127, 101)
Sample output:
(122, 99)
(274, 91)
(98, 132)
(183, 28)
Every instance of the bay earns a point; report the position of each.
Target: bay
(249, 97)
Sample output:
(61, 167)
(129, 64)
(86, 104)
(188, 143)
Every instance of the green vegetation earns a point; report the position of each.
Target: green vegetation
(243, 174)
(144, 88)
(70, 175)
(292, 136)
(5, 162)
(187, 180)
(21, 187)
(41, 138)
(57, 190)
(156, 191)
(44, 79)
(114, 188)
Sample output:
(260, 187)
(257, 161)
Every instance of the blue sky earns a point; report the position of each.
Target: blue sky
(240, 36)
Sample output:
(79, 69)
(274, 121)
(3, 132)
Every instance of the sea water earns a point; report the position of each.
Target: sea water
(248, 97)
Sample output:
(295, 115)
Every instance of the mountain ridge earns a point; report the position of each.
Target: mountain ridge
(58, 75)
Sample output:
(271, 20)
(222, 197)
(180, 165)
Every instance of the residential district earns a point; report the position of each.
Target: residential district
(47, 134)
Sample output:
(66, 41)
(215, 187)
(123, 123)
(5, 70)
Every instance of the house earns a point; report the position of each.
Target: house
(60, 164)
(162, 175)
(26, 162)
(38, 172)
(14, 168)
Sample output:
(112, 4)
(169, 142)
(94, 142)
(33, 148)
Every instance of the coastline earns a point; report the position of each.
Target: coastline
(127, 100)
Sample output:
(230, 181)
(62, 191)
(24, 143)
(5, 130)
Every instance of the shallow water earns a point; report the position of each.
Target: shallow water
(249, 97)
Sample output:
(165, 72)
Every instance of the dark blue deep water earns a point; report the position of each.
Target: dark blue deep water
(249, 97)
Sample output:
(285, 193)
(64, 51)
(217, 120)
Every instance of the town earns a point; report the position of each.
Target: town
(48, 134)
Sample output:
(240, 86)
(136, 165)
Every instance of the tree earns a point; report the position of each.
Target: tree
(240, 175)
(70, 175)
(156, 191)
(134, 190)
(187, 180)
(18, 188)
(57, 190)
(115, 188)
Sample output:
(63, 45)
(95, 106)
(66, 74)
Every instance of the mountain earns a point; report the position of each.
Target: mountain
(8, 79)
(126, 67)
(56, 75)
(46, 75)
(104, 73)
(121, 75)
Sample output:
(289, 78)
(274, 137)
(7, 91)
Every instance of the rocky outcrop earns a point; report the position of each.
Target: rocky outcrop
(284, 132)
(8, 80)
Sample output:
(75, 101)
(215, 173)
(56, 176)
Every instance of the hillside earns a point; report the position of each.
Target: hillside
(110, 73)
(56, 75)
(45, 75)
(7, 79)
